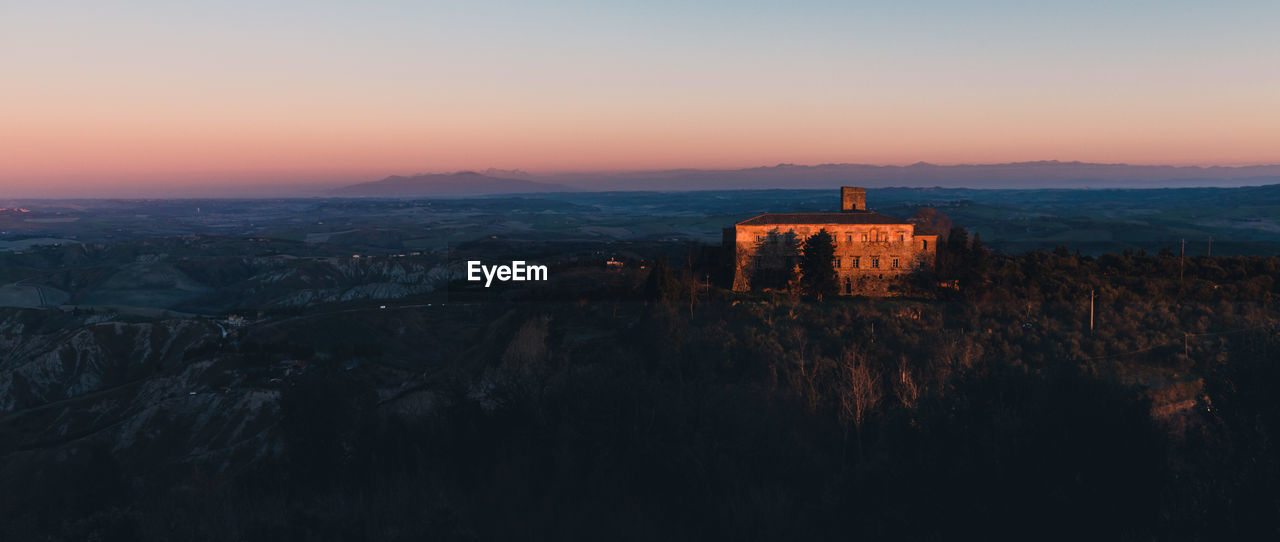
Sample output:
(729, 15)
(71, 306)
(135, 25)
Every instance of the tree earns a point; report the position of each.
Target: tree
(953, 254)
(859, 392)
(772, 263)
(976, 248)
(976, 264)
(817, 272)
(661, 283)
(930, 221)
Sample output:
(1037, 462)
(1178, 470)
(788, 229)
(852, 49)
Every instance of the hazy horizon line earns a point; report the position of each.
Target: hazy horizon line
(349, 174)
(294, 183)
(1275, 163)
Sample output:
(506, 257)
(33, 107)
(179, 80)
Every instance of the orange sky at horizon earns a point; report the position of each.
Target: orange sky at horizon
(150, 95)
(190, 138)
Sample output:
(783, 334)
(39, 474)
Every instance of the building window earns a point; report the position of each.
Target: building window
(759, 238)
(864, 238)
(853, 262)
(924, 244)
(894, 263)
(875, 262)
(848, 238)
(837, 261)
(901, 237)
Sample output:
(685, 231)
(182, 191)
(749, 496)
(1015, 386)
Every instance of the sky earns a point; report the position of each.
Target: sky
(98, 97)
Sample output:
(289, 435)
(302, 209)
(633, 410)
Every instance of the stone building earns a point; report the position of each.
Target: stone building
(871, 248)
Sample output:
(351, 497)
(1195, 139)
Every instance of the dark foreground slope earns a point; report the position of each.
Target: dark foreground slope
(638, 405)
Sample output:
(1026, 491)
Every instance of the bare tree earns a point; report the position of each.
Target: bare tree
(930, 221)
(908, 390)
(859, 393)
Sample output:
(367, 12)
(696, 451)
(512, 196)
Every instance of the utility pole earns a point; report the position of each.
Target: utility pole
(1210, 246)
(1182, 260)
(1090, 310)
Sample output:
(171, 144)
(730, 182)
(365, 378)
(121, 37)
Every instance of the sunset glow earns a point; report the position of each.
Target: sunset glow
(152, 95)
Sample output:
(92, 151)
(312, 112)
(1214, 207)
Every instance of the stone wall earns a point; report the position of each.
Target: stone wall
(865, 253)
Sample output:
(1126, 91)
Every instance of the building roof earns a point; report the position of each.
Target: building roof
(852, 217)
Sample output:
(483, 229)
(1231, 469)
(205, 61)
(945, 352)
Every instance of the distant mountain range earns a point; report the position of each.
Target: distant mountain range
(465, 183)
(1043, 174)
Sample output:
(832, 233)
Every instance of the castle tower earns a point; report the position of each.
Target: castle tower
(853, 198)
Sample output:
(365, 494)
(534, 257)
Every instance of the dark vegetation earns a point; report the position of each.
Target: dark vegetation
(774, 261)
(652, 406)
(817, 275)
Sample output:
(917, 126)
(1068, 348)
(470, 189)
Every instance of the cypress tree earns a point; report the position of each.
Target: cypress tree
(817, 270)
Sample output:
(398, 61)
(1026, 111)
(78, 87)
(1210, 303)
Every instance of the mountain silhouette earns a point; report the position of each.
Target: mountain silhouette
(1024, 175)
(464, 183)
(1016, 175)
